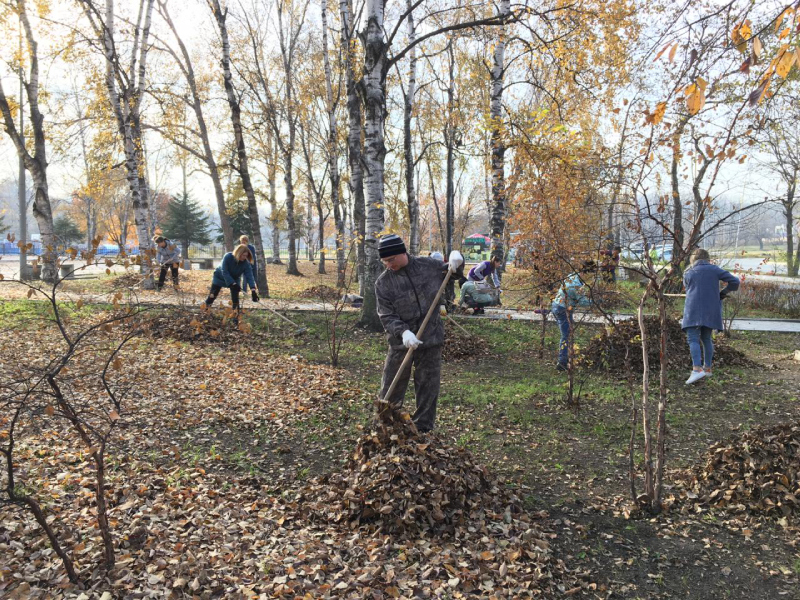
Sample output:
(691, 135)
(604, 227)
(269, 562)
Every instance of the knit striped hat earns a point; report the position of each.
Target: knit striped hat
(390, 245)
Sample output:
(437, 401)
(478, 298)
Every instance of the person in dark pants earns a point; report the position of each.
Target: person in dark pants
(702, 311)
(169, 257)
(405, 291)
(234, 265)
(243, 239)
(570, 296)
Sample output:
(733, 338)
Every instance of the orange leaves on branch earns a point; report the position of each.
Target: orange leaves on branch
(740, 35)
(657, 115)
(784, 61)
(696, 96)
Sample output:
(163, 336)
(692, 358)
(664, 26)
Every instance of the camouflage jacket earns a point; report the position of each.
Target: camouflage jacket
(405, 296)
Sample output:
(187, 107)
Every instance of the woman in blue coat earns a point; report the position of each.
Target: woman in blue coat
(703, 310)
(234, 265)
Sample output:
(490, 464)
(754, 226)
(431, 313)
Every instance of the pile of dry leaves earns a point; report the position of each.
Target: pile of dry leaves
(192, 325)
(757, 473)
(607, 350)
(411, 517)
(320, 292)
(459, 346)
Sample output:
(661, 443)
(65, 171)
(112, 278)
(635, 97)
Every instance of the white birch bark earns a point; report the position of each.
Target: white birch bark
(374, 152)
(498, 217)
(35, 164)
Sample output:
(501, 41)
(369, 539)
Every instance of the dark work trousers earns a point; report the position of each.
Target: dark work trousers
(163, 274)
(427, 365)
(215, 289)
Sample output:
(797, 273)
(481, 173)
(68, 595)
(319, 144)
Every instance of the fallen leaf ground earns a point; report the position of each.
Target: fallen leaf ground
(222, 433)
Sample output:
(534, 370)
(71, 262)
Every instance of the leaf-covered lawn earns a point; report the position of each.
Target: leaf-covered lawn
(213, 468)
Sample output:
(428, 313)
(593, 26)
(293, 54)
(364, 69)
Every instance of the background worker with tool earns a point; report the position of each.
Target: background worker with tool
(406, 291)
(169, 257)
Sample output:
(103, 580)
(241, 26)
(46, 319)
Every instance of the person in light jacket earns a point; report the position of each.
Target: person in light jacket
(571, 295)
(168, 256)
(702, 311)
(234, 265)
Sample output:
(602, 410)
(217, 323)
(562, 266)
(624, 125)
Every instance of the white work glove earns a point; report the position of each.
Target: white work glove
(410, 340)
(455, 261)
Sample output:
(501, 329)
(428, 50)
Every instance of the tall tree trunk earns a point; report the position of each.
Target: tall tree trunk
(208, 155)
(36, 164)
(449, 140)
(374, 153)
(125, 104)
(408, 150)
(241, 150)
(677, 203)
(333, 162)
(272, 169)
(498, 218)
(788, 211)
(291, 225)
(354, 153)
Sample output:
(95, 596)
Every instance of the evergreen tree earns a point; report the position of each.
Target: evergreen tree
(3, 226)
(66, 230)
(185, 222)
(236, 204)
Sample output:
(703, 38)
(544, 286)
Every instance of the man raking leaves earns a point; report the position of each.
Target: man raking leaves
(408, 294)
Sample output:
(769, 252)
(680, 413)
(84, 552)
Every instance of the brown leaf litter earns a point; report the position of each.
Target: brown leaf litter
(458, 346)
(412, 517)
(756, 473)
(606, 351)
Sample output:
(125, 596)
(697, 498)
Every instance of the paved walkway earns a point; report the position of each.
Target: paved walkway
(776, 325)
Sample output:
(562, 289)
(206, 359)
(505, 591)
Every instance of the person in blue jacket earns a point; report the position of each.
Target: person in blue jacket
(571, 295)
(702, 311)
(234, 265)
(243, 239)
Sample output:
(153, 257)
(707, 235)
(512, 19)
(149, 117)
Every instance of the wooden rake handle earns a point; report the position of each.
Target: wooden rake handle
(407, 359)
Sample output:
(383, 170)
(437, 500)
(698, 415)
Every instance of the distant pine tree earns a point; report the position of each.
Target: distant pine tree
(236, 203)
(66, 230)
(185, 223)
(3, 226)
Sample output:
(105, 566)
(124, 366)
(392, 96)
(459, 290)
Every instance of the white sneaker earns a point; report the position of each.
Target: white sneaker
(706, 374)
(695, 376)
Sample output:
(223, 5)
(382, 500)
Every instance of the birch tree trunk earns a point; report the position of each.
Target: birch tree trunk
(35, 164)
(272, 168)
(449, 140)
(241, 150)
(374, 153)
(354, 154)
(125, 87)
(498, 218)
(788, 213)
(408, 151)
(333, 162)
